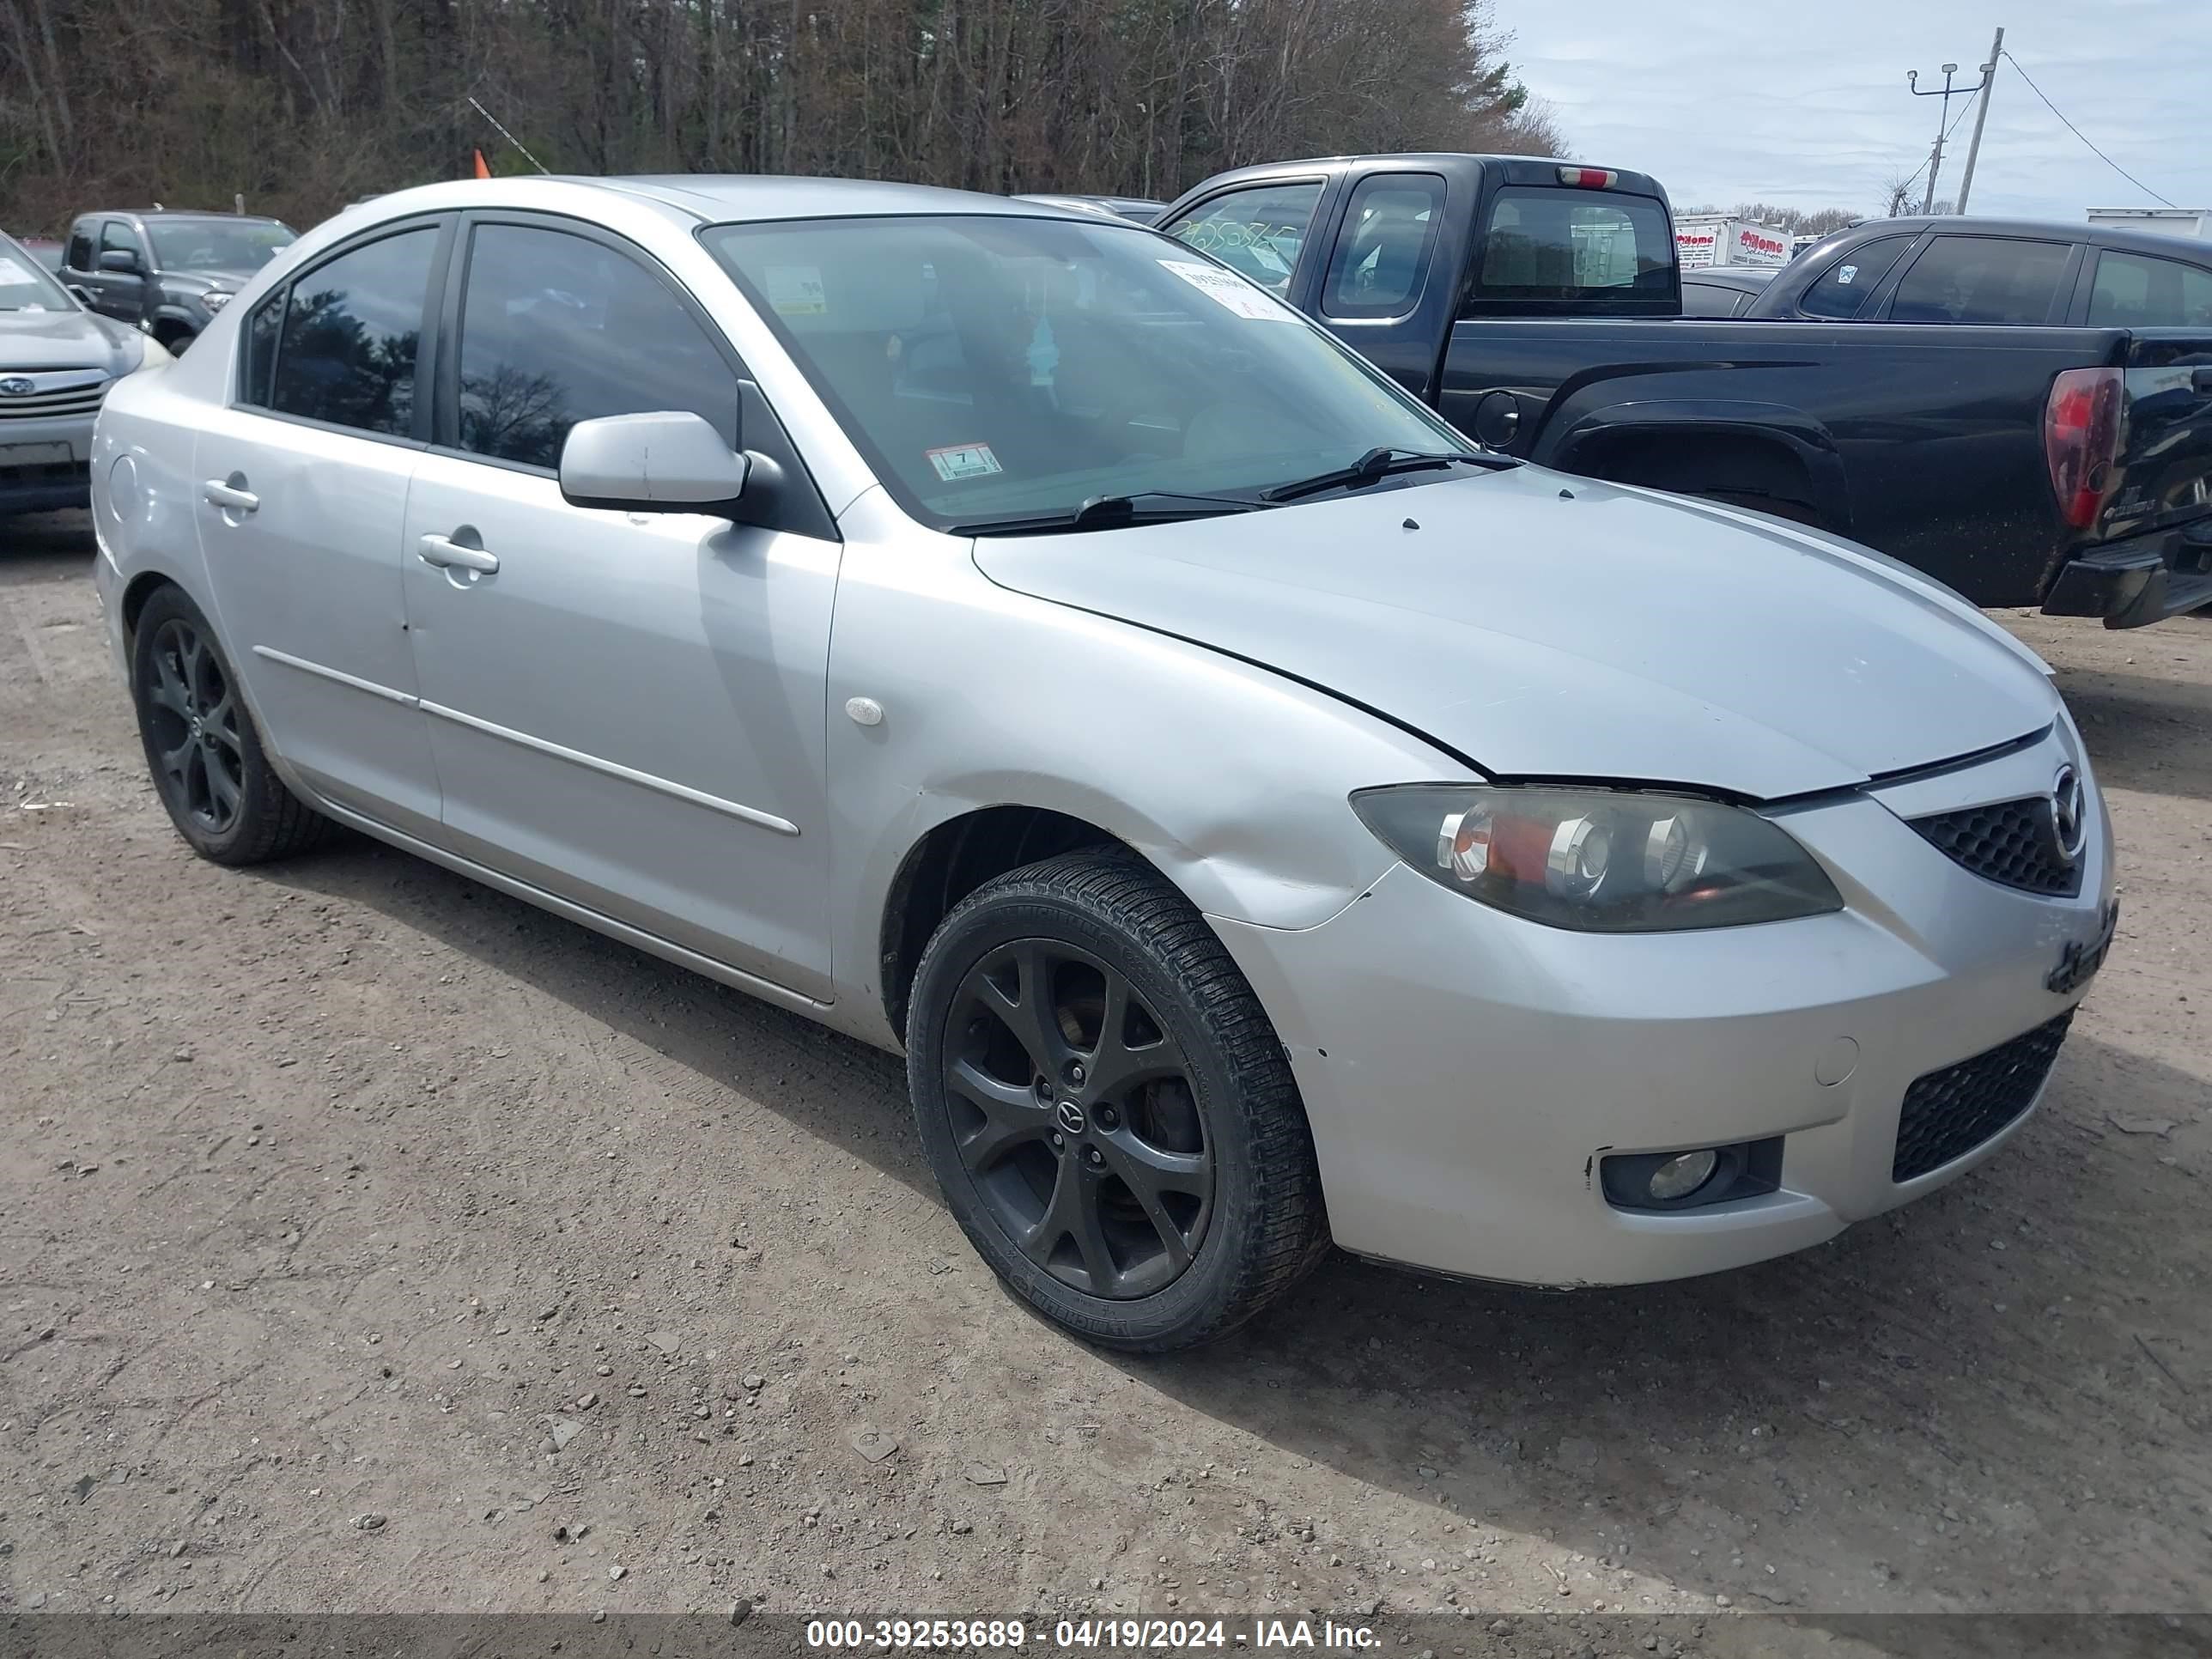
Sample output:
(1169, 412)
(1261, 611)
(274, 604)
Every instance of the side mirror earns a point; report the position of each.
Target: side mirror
(120, 259)
(665, 462)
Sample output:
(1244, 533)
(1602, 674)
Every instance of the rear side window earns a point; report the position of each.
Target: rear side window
(1383, 248)
(80, 246)
(1257, 231)
(1981, 279)
(1577, 246)
(2134, 290)
(557, 329)
(1844, 286)
(351, 329)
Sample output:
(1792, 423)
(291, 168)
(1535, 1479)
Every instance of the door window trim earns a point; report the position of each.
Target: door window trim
(427, 351)
(799, 509)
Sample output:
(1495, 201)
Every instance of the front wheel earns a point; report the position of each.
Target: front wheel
(1107, 1108)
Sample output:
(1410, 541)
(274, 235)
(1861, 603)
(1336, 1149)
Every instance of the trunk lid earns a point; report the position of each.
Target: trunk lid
(2165, 464)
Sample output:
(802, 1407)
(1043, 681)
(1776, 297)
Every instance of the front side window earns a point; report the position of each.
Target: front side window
(1384, 249)
(1257, 231)
(1576, 247)
(1981, 279)
(2135, 290)
(214, 244)
(351, 329)
(557, 329)
(997, 367)
(117, 237)
(1844, 285)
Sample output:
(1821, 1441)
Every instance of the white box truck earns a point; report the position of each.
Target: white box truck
(2160, 221)
(1721, 239)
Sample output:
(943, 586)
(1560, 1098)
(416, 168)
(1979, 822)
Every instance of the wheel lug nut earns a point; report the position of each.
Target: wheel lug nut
(1075, 1073)
(1096, 1156)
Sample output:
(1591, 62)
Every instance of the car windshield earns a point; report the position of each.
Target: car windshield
(24, 284)
(1003, 367)
(217, 244)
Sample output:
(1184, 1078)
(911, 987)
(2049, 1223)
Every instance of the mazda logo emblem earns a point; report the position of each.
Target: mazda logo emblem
(2069, 813)
(1071, 1117)
(17, 385)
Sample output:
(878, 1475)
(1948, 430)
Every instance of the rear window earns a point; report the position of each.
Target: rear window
(1981, 279)
(1591, 250)
(2134, 290)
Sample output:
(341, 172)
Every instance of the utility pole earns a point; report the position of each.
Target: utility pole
(1942, 121)
(1981, 115)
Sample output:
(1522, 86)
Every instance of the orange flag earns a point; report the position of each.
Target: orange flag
(483, 172)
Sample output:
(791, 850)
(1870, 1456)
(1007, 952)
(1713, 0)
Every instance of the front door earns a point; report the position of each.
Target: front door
(626, 709)
(300, 488)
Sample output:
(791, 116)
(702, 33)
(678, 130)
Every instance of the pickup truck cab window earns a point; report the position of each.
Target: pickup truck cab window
(1981, 279)
(1842, 291)
(1576, 248)
(1258, 231)
(2135, 290)
(216, 243)
(994, 368)
(1383, 251)
(80, 246)
(116, 236)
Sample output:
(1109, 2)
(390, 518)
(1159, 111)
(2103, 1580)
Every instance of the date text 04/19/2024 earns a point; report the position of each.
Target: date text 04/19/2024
(1076, 1635)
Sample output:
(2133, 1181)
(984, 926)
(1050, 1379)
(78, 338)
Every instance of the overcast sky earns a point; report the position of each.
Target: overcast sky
(1805, 105)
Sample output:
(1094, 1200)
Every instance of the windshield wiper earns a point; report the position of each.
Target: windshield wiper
(1380, 463)
(1114, 513)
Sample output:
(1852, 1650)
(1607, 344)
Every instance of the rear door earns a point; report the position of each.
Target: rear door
(303, 482)
(119, 294)
(2019, 280)
(1384, 292)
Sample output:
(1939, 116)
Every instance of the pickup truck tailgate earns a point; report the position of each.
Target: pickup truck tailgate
(2166, 441)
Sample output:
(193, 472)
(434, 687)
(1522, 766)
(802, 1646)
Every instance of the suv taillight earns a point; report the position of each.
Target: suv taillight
(2081, 440)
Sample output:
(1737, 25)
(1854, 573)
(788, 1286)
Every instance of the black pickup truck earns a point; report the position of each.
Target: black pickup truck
(1537, 304)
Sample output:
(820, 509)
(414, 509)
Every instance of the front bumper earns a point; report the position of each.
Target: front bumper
(1463, 1072)
(44, 458)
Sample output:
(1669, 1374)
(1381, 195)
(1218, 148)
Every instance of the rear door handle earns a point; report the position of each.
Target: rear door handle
(229, 497)
(444, 551)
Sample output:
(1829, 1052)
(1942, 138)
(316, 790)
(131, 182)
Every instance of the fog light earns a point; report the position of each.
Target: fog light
(1678, 1177)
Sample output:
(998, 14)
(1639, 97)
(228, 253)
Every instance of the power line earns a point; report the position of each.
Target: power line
(2083, 137)
(1973, 98)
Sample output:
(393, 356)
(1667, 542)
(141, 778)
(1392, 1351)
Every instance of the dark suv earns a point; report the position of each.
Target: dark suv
(165, 271)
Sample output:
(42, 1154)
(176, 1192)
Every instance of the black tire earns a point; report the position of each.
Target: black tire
(201, 750)
(1191, 1059)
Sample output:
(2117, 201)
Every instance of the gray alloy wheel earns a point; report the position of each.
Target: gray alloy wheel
(202, 749)
(1106, 1106)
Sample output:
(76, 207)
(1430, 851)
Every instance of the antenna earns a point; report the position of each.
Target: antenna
(509, 137)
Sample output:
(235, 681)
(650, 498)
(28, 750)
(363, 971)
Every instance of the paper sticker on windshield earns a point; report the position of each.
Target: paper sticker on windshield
(12, 272)
(958, 461)
(1844, 275)
(1229, 289)
(796, 290)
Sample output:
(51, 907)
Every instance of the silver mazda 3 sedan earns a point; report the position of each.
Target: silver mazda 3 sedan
(1000, 634)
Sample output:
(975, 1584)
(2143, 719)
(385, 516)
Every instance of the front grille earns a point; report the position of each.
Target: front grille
(1949, 1113)
(76, 400)
(2012, 842)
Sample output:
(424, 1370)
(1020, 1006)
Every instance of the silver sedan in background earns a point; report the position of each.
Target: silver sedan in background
(1260, 816)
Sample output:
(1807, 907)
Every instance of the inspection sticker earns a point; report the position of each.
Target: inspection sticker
(958, 461)
(1844, 274)
(796, 290)
(1228, 289)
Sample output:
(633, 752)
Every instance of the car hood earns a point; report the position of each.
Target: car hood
(1544, 626)
(63, 339)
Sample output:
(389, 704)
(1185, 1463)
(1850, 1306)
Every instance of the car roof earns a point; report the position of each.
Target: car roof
(2049, 230)
(1525, 170)
(709, 196)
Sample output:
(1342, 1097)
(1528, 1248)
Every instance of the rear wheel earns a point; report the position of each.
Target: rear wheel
(201, 746)
(1108, 1109)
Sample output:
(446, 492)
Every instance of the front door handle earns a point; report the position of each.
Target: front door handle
(444, 551)
(229, 497)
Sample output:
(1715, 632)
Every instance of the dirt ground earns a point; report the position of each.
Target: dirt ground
(335, 1193)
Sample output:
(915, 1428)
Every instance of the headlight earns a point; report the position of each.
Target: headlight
(215, 299)
(1600, 860)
